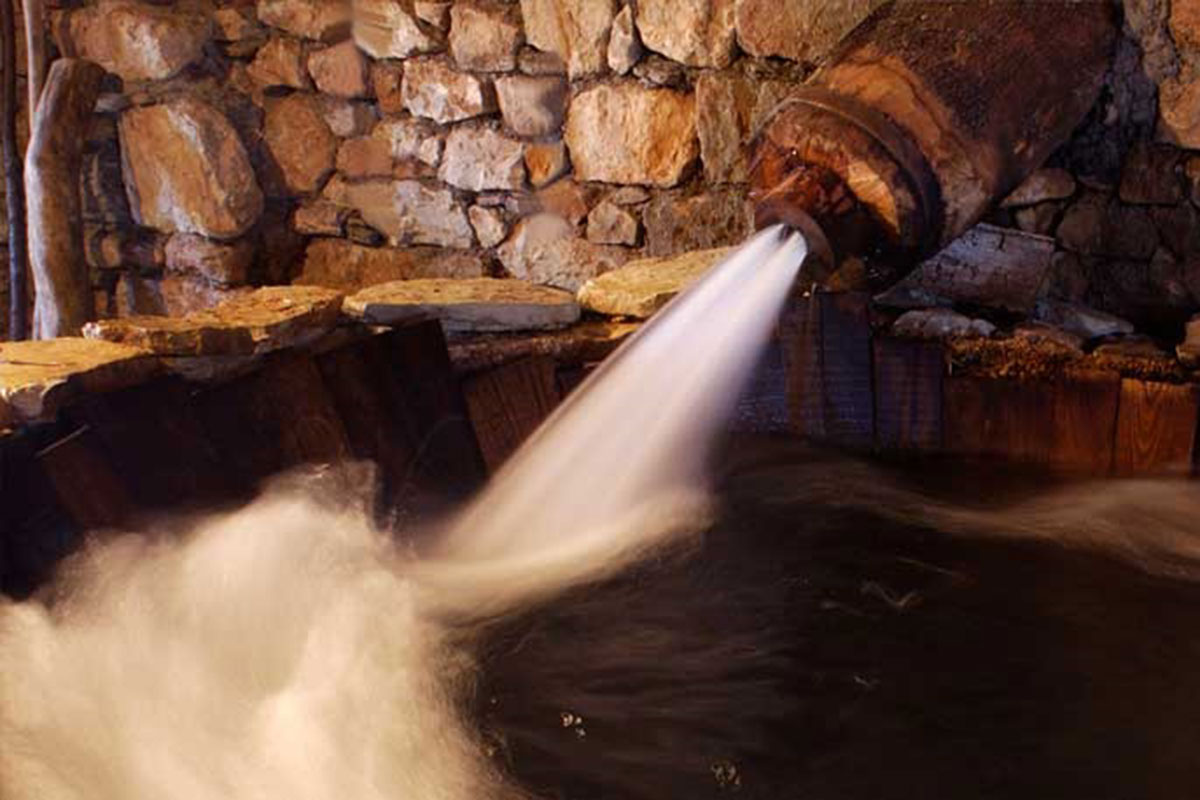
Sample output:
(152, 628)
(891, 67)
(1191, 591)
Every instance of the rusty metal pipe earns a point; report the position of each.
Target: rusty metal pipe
(927, 115)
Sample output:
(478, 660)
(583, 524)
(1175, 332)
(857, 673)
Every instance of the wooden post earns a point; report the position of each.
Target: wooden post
(14, 180)
(63, 292)
(35, 47)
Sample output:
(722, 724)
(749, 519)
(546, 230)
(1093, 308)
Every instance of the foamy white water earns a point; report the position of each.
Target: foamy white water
(291, 650)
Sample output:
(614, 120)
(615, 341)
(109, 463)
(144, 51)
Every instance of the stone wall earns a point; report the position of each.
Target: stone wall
(243, 143)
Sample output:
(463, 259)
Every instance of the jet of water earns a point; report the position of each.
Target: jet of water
(290, 649)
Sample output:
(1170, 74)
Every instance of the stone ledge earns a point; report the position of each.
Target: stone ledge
(38, 377)
(641, 288)
(480, 305)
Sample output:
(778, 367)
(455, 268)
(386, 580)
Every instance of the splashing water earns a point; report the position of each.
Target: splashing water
(291, 650)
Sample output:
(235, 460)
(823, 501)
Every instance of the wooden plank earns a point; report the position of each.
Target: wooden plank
(273, 419)
(151, 436)
(435, 412)
(827, 345)
(763, 406)
(508, 403)
(908, 394)
(998, 417)
(1156, 428)
(1085, 421)
(85, 483)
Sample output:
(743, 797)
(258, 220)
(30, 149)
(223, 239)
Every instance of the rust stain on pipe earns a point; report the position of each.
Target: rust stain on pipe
(925, 116)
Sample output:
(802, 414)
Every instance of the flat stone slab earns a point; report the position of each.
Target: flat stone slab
(257, 322)
(37, 378)
(478, 305)
(642, 287)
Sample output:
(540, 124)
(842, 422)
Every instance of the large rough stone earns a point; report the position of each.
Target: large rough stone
(532, 106)
(801, 30)
(365, 157)
(545, 162)
(309, 19)
(626, 133)
(485, 35)
(482, 305)
(490, 227)
(279, 62)
(941, 323)
(479, 159)
(574, 30)
(186, 170)
(408, 212)
(340, 70)
(1042, 186)
(624, 44)
(642, 287)
(728, 109)
(300, 142)
(339, 264)
(137, 41)
(433, 90)
(1179, 112)
(411, 139)
(256, 322)
(1148, 21)
(347, 118)
(225, 263)
(609, 223)
(676, 224)
(37, 377)
(698, 33)
(545, 249)
(1080, 320)
(1098, 225)
(1152, 175)
(387, 29)
(320, 218)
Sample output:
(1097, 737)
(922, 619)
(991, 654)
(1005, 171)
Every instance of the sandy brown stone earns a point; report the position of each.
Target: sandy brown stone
(365, 157)
(574, 30)
(226, 263)
(409, 212)
(490, 227)
(387, 77)
(611, 224)
(479, 159)
(320, 218)
(485, 35)
(341, 70)
(388, 29)
(624, 44)
(565, 199)
(279, 62)
(300, 142)
(1179, 112)
(626, 133)
(38, 377)
(411, 139)
(308, 19)
(532, 61)
(698, 33)
(340, 264)
(642, 287)
(532, 106)
(677, 224)
(187, 171)
(481, 305)
(801, 30)
(347, 118)
(545, 162)
(234, 25)
(137, 41)
(433, 90)
(436, 14)
(1043, 185)
(256, 322)
(545, 249)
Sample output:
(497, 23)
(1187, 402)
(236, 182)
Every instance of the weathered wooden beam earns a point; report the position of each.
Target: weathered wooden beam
(908, 394)
(508, 403)
(1156, 428)
(14, 178)
(63, 292)
(827, 351)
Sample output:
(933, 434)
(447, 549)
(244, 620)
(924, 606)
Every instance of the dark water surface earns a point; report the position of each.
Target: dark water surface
(808, 646)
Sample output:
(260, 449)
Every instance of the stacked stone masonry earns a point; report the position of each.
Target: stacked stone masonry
(323, 142)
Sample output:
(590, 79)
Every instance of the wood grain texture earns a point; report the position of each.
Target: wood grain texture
(999, 418)
(1156, 428)
(827, 351)
(1085, 422)
(508, 403)
(908, 394)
